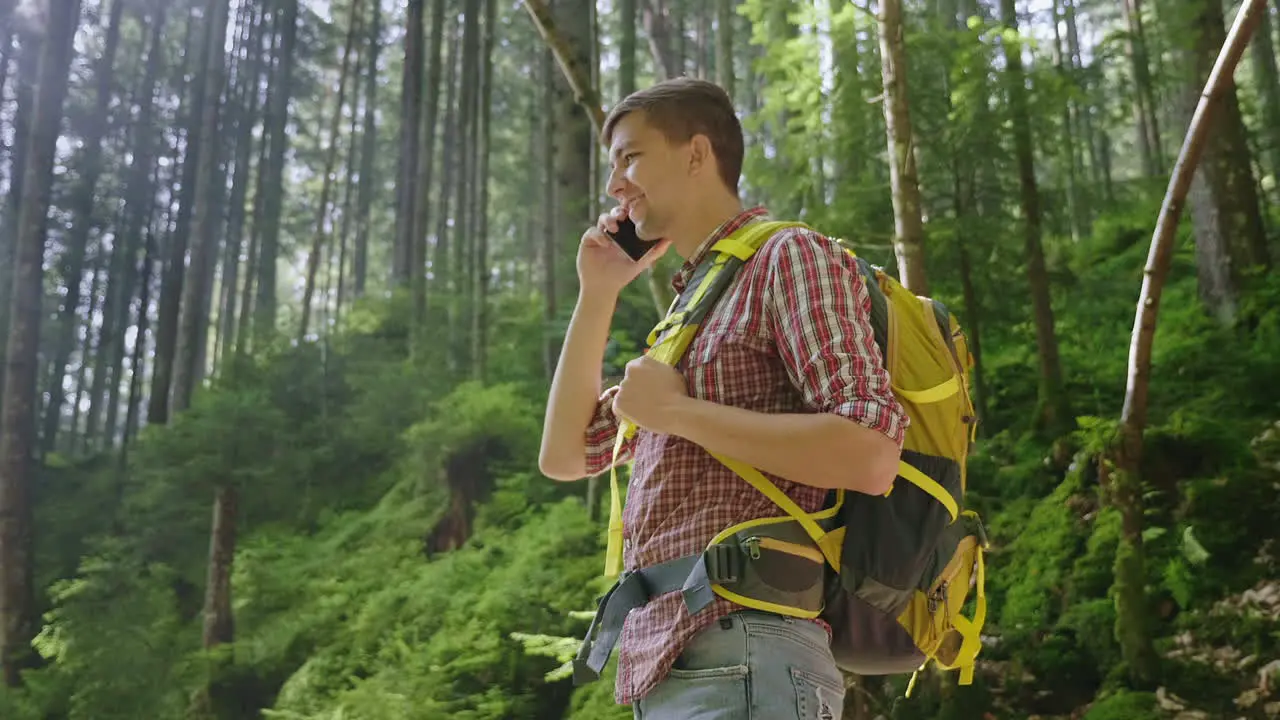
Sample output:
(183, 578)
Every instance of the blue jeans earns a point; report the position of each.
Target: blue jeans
(750, 666)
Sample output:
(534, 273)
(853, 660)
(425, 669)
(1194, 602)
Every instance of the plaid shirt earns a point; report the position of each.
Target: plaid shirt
(792, 333)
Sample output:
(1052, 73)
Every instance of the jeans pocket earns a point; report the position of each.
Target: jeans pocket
(713, 693)
(817, 697)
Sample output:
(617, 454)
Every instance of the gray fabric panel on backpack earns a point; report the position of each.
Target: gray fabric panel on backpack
(890, 548)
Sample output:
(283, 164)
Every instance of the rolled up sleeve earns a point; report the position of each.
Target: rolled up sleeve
(820, 313)
(601, 434)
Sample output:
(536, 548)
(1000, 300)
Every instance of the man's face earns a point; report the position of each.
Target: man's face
(649, 176)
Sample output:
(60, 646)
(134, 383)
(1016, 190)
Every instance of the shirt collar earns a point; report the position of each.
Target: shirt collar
(727, 228)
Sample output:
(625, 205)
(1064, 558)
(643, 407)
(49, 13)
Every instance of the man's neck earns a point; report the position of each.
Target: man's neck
(703, 221)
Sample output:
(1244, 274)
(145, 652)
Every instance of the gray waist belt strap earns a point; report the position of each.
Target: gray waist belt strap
(693, 575)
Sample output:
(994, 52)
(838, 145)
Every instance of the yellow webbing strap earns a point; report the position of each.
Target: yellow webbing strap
(909, 472)
(762, 483)
(937, 393)
(970, 629)
(613, 552)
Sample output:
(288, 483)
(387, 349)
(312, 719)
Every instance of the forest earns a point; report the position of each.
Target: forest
(283, 283)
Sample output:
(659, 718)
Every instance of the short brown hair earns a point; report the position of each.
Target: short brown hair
(682, 107)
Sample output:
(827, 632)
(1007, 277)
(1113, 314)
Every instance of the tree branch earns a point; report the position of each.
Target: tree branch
(579, 80)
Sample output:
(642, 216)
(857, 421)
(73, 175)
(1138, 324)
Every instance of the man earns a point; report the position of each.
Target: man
(784, 375)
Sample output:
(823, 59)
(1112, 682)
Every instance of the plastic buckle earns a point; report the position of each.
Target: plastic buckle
(723, 564)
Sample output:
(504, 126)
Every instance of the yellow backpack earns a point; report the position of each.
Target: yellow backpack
(890, 573)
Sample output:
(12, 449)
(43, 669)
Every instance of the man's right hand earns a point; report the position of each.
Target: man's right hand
(603, 267)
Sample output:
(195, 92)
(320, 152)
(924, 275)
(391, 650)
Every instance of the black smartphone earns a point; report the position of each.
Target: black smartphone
(630, 243)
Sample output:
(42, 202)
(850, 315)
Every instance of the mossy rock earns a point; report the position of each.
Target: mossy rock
(1125, 705)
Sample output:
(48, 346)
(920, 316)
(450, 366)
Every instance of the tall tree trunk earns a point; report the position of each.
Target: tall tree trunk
(18, 410)
(175, 272)
(724, 45)
(1144, 109)
(463, 211)
(250, 79)
(28, 75)
(1053, 413)
(1268, 79)
(430, 94)
(77, 241)
(480, 293)
(264, 310)
(450, 172)
(1065, 71)
(248, 310)
(407, 192)
(1224, 201)
(208, 192)
(360, 261)
(1132, 612)
(908, 243)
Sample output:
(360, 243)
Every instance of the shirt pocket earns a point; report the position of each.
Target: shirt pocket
(731, 368)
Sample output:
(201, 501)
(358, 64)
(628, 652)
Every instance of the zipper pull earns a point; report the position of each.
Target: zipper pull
(752, 544)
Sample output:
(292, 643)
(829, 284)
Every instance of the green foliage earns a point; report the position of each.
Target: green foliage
(1125, 705)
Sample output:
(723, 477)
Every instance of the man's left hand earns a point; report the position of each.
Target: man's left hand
(649, 394)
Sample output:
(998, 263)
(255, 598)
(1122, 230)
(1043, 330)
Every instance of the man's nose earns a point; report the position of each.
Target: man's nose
(616, 185)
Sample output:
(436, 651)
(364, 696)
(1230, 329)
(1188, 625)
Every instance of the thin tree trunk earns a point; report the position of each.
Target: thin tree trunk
(407, 191)
(360, 263)
(175, 272)
(430, 94)
(1132, 612)
(249, 117)
(1143, 99)
(480, 296)
(331, 157)
(208, 191)
(908, 241)
(264, 311)
(1053, 413)
(1268, 79)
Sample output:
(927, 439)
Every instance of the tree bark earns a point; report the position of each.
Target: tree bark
(18, 410)
(1144, 109)
(208, 191)
(1268, 78)
(264, 310)
(1225, 208)
(480, 291)
(360, 259)
(569, 59)
(407, 192)
(1053, 414)
(908, 242)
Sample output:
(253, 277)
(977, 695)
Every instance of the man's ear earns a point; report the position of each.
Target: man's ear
(701, 156)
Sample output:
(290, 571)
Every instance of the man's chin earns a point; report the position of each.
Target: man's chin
(646, 231)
